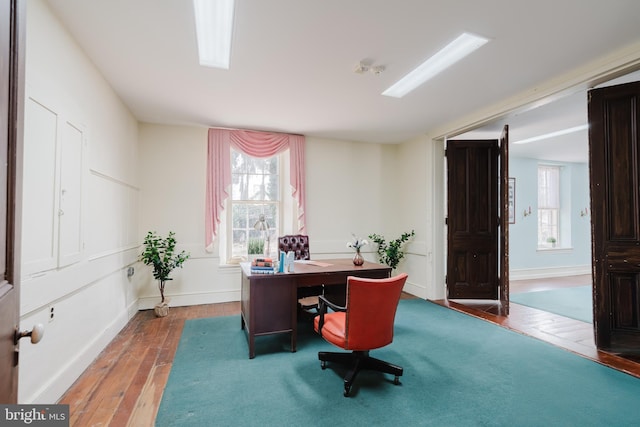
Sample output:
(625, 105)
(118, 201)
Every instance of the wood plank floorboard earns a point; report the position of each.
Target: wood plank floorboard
(124, 385)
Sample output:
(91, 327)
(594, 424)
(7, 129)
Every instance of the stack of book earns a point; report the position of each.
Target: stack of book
(262, 266)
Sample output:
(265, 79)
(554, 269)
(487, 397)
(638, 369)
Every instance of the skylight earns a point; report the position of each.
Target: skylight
(214, 26)
(449, 55)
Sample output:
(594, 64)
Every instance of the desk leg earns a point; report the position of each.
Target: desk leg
(294, 333)
(250, 337)
(294, 320)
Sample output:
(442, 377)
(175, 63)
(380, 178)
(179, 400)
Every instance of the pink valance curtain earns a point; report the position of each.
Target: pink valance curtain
(256, 144)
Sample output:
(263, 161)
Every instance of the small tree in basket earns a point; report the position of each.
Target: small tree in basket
(159, 254)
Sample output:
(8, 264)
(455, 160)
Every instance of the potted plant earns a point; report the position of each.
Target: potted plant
(391, 253)
(552, 240)
(159, 253)
(255, 247)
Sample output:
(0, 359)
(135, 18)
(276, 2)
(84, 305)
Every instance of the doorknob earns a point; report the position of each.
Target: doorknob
(36, 334)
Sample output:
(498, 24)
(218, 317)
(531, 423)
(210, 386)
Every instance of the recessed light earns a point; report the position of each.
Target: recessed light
(552, 134)
(214, 26)
(449, 55)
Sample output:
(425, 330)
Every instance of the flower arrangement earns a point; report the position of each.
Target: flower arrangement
(357, 243)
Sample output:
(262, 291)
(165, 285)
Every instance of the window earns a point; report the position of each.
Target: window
(548, 206)
(255, 206)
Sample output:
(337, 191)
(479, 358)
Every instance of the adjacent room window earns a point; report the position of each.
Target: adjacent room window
(548, 206)
(255, 209)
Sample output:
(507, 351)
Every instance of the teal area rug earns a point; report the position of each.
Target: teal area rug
(458, 371)
(576, 302)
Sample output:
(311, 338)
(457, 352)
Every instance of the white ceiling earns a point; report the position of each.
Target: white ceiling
(293, 61)
(567, 112)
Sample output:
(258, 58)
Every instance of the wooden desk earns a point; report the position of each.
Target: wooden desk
(269, 302)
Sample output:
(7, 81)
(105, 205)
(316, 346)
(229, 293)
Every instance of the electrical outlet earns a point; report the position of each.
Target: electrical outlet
(130, 271)
(51, 314)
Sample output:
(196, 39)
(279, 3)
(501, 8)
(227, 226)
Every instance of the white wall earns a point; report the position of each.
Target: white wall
(420, 171)
(573, 256)
(172, 169)
(352, 187)
(91, 299)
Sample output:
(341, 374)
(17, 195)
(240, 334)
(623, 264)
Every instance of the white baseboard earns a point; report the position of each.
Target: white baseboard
(540, 273)
(146, 303)
(413, 289)
(55, 387)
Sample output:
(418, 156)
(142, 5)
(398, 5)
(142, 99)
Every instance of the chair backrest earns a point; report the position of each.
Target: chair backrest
(298, 243)
(371, 311)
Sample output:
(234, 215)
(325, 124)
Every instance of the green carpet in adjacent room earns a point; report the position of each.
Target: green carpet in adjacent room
(458, 371)
(575, 302)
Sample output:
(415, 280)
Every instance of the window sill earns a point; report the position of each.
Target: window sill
(555, 250)
(229, 265)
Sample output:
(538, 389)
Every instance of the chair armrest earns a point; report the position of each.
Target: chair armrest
(324, 304)
(324, 301)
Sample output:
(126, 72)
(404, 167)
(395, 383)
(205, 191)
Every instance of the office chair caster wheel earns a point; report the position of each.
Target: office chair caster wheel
(323, 364)
(396, 380)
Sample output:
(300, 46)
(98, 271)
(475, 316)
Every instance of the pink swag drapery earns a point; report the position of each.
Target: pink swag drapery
(256, 144)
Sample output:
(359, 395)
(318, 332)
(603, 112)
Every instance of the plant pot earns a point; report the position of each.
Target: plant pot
(161, 309)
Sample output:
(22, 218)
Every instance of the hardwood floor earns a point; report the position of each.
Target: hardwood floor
(124, 385)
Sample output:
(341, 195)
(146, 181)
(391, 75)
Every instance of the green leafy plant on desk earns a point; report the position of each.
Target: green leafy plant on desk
(391, 252)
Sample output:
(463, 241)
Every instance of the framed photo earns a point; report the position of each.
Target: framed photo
(511, 199)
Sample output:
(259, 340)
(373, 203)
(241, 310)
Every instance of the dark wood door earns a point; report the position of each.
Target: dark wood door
(504, 219)
(614, 164)
(11, 89)
(472, 219)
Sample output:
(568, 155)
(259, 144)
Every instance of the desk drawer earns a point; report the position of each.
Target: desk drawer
(338, 278)
(322, 279)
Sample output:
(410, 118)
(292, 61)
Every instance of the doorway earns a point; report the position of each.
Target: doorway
(576, 241)
(532, 144)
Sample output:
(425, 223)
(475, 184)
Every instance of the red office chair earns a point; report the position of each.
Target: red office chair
(365, 323)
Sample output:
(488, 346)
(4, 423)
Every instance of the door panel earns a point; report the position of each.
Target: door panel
(472, 180)
(40, 204)
(70, 215)
(504, 219)
(614, 120)
(12, 18)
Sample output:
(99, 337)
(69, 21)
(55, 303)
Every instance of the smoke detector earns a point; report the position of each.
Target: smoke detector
(361, 68)
(364, 67)
(377, 70)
